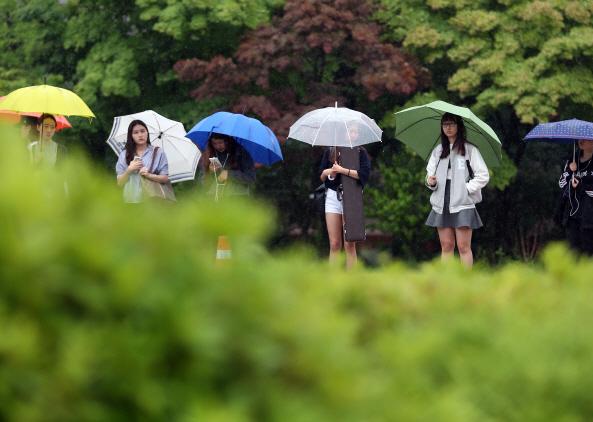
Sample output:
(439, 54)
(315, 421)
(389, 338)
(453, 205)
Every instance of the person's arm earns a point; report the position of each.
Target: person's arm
(124, 170)
(160, 178)
(584, 185)
(431, 170)
(161, 169)
(481, 174)
(325, 172)
(361, 174)
(246, 173)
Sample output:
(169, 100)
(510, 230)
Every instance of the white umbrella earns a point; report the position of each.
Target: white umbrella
(329, 127)
(182, 154)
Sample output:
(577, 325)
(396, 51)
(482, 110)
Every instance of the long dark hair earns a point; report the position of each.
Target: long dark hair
(30, 121)
(130, 144)
(231, 146)
(461, 139)
(46, 116)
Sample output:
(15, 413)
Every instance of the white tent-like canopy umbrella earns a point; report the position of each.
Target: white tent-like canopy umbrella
(182, 154)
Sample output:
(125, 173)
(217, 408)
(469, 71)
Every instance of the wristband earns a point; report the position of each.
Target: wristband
(348, 172)
(126, 171)
(154, 177)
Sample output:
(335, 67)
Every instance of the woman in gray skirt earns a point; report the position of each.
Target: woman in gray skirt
(455, 193)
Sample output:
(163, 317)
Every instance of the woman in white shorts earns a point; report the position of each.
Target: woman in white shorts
(330, 172)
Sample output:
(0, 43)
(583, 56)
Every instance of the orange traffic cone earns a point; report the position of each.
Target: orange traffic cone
(223, 252)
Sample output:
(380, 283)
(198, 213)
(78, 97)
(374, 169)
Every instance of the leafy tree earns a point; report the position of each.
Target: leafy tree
(532, 55)
(313, 53)
(116, 55)
(183, 19)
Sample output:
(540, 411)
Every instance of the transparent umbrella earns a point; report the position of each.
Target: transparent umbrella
(329, 127)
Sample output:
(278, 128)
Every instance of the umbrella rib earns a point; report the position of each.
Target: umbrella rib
(487, 140)
(174, 147)
(315, 140)
(313, 114)
(372, 130)
(114, 129)
(349, 138)
(414, 124)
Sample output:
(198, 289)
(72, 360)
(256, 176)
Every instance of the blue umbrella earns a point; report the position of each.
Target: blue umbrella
(252, 134)
(564, 132)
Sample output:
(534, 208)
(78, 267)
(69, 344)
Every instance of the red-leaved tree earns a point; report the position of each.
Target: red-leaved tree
(314, 53)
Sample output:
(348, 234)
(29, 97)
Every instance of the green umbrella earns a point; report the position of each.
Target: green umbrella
(420, 129)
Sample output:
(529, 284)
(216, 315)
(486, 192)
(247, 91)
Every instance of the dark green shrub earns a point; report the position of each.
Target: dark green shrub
(113, 313)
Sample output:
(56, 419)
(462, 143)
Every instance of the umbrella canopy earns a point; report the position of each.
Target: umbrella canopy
(182, 154)
(420, 129)
(329, 127)
(253, 135)
(61, 121)
(45, 99)
(563, 132)
(8, 117)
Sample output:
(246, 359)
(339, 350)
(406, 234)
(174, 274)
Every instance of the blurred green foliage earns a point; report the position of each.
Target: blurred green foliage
(112, 312)
(118, 55)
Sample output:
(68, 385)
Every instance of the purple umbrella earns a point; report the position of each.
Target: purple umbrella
(563, 132)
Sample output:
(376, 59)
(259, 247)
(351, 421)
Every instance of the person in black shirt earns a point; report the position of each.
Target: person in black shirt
(330, 172)
(578, 213)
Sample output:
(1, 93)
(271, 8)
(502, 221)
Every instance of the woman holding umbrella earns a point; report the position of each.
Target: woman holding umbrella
(229, 165)
(330, 173)
(47, 152)
(453, 201)
(136, 158)
(578, 215)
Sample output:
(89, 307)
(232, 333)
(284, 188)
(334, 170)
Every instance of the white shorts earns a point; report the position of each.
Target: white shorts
(332, 204)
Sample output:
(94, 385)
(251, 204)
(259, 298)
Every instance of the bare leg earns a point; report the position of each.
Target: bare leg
(447, 238)
(351, 258)
(334, 230)
(464, 245)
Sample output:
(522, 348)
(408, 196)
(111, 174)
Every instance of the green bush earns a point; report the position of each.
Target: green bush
(113, 313)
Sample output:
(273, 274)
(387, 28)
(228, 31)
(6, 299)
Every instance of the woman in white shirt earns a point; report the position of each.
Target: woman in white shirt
(456, 192)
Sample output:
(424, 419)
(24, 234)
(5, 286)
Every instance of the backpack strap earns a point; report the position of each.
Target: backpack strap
(469, 167)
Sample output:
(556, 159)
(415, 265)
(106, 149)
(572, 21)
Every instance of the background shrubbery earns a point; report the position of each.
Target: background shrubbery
(113, 313)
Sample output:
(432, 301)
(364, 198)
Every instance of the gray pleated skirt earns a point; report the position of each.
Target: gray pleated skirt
(464, 218)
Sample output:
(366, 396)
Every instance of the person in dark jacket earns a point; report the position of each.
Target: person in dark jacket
(578, 213)
(229, 166)
(330, 172)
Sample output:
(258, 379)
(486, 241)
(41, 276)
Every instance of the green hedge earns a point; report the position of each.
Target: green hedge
(112, 312)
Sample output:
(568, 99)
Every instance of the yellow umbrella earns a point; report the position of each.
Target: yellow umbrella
(46, 99)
